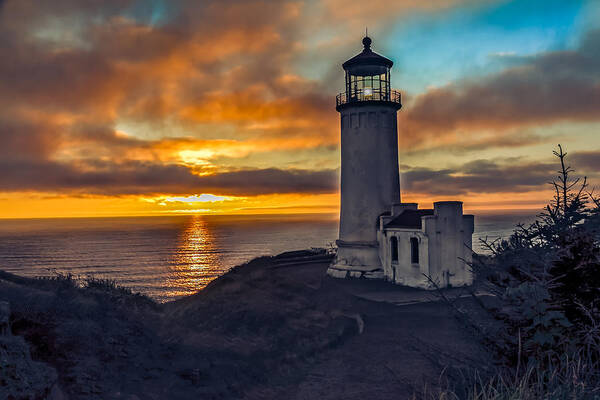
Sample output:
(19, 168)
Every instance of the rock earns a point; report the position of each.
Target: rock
(56, 393)
(337, 273)
(20, 376)
(376, 274)
(360, 323)
(4, 318)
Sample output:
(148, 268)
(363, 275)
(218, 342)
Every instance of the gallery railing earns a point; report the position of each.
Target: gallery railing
(368, 95)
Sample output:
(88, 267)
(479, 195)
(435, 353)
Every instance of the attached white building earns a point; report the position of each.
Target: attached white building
(380, 237)
(418, 245)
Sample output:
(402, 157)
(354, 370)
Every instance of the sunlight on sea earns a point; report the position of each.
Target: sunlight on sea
(196, 262)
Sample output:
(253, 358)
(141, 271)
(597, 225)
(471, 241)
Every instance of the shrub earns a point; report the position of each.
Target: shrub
(546, 277)
(545, 312)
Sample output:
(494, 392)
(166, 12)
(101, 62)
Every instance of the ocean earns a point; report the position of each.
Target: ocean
(173, 256)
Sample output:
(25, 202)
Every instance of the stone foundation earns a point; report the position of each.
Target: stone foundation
(336, 272)
(356, 260)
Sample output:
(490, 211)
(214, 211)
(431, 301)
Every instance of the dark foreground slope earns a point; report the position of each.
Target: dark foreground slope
(276, 327)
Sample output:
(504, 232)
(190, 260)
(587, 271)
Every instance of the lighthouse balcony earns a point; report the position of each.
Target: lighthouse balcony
(368, 95)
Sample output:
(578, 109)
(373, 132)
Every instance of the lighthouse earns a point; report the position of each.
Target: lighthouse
(381, 237)
(370, 181)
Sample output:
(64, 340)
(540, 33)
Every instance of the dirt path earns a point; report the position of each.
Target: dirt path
(402, 351)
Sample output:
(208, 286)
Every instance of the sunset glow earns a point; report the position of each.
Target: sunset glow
(159, 107)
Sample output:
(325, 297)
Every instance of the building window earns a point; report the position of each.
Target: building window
(394, 248)
(414, 250)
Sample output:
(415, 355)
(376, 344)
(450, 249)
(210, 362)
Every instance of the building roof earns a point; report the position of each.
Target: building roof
(409, 219)
(368, 57)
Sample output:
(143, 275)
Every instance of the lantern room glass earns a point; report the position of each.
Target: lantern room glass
(368, 87)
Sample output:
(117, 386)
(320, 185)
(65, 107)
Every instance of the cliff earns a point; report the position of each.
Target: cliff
(276, 327)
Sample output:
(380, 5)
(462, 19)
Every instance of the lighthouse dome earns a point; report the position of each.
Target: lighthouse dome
(367, 62)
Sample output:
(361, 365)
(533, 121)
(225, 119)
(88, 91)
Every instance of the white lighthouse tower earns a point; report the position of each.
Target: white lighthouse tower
(370, 182)
(380, 237)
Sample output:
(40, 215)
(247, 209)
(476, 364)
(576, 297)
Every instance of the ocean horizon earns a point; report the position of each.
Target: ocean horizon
(167, 257)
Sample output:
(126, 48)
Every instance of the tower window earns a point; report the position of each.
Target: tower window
(394, 248)
(414, 250)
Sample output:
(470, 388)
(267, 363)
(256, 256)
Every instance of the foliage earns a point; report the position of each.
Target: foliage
(574, 377)
(104, 289)
(546, 276)
(545, 309)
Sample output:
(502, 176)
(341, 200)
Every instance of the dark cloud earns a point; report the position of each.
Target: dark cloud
(504, 176)
(586, 161)
(27, 140)
(147, 178)
(480, 176)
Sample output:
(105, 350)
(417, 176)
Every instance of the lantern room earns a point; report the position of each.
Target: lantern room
(368, 78)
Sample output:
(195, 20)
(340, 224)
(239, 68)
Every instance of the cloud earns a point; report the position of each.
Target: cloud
(458, 144)
(585, 161)
(203, 198)
(354, 13)
(106, 178)
(76, 70)
(130, 68)
(480, 176)
(73, 72)
(509, 175)
(539, 90)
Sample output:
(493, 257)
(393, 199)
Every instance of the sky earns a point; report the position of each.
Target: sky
(156, 107)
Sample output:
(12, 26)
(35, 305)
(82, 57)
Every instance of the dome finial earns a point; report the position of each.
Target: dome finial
(367, 40)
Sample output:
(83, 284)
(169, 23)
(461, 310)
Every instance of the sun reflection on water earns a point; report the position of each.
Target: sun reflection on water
(196, 260)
